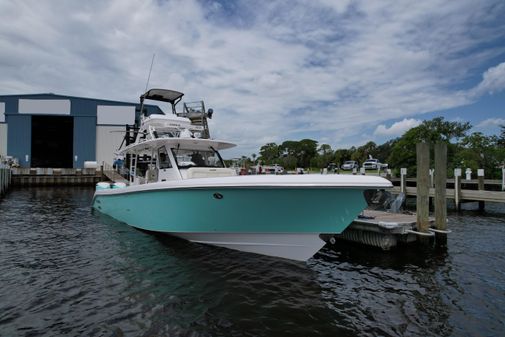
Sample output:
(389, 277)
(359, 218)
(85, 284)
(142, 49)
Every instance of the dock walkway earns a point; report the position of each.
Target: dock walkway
(381, 229)
(465, 195)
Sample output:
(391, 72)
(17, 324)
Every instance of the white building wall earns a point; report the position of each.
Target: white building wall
(108, 139)
(44, 106)
(115, 115)
(2, 112)
(3, 139)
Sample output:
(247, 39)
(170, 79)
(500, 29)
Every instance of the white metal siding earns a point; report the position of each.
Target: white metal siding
(2, 112)
(115, 115)
(107, 142)
(3, 139)
(44, 106)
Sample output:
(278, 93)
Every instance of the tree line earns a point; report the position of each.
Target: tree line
(465, 149)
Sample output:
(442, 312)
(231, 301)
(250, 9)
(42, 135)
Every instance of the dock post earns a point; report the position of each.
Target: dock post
(403, 180)
(457, 188)
(432, 185)
(423, 187)
(480, 176)
(1, 181)
(503, 178)
(440, 192)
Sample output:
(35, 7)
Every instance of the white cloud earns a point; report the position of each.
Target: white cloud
(397, 129)
(493, 80)
(490, 123)
(271, 72)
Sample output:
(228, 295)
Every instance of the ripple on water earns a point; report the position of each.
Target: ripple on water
(65, 270)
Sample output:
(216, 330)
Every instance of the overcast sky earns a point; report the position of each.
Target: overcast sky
(339, 72)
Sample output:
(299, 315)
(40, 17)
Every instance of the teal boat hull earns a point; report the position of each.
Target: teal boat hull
(236, 210)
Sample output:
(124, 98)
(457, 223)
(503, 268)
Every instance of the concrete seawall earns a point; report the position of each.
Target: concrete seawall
(5, 180)
(55, 176)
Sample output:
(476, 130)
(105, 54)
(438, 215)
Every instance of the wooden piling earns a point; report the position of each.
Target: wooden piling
(457, 188)
(403, 180)
(423, 187)
(480, 177)
(503, 179)
(440, 186)
(440, 192)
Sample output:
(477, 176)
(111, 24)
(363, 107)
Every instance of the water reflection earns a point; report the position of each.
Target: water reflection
(197, 288)
(385, 293)
(67, 271)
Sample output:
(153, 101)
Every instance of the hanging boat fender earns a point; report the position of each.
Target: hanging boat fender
(118, 185)
(102, 186)
(410, 231)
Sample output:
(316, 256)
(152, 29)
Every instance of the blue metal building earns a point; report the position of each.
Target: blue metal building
(49, 130)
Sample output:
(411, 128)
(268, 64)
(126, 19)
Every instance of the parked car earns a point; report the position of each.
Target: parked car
(350, 164)
(374, 164)
(274, 169)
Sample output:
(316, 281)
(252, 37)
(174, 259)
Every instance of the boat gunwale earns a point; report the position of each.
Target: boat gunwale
(132, 189)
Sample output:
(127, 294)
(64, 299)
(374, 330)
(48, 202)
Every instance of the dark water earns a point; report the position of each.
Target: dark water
(65, 271)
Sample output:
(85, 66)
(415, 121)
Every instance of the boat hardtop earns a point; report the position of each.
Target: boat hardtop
(197, 144)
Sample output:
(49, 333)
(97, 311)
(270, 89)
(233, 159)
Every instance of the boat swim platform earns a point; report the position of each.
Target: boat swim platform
(381, 229)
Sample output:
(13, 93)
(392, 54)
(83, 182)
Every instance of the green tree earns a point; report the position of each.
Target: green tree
(323, 157)
(383, 151)
(308, 150)
(303, 150)
(342, 155)
(363, 152)
(269, 153)
(403, 153)
(480, 151)
(501, 138)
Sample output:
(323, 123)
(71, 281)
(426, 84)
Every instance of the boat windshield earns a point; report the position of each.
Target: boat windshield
(197, 158)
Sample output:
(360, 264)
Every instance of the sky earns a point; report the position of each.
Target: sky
(339, 72)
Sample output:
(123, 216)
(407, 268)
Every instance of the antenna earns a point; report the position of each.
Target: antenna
(149, 77)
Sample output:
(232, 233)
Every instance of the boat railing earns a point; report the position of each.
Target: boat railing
(195, 111)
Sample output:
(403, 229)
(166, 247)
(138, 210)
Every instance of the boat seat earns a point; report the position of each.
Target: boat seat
(208, 172)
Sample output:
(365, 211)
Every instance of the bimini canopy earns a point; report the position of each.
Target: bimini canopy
(164, 95)
(171, 96)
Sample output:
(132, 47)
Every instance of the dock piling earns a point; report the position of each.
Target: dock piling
(457, 188)
(440, 191)
(423, 187)
(403, 180)
(480, 177)
(503, 179)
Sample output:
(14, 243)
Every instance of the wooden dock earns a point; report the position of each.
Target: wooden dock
(464, 194)
(381, 229)
(110, 173)
(474, 182)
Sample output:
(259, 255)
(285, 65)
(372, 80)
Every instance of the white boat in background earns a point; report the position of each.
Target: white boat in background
(179, 184)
